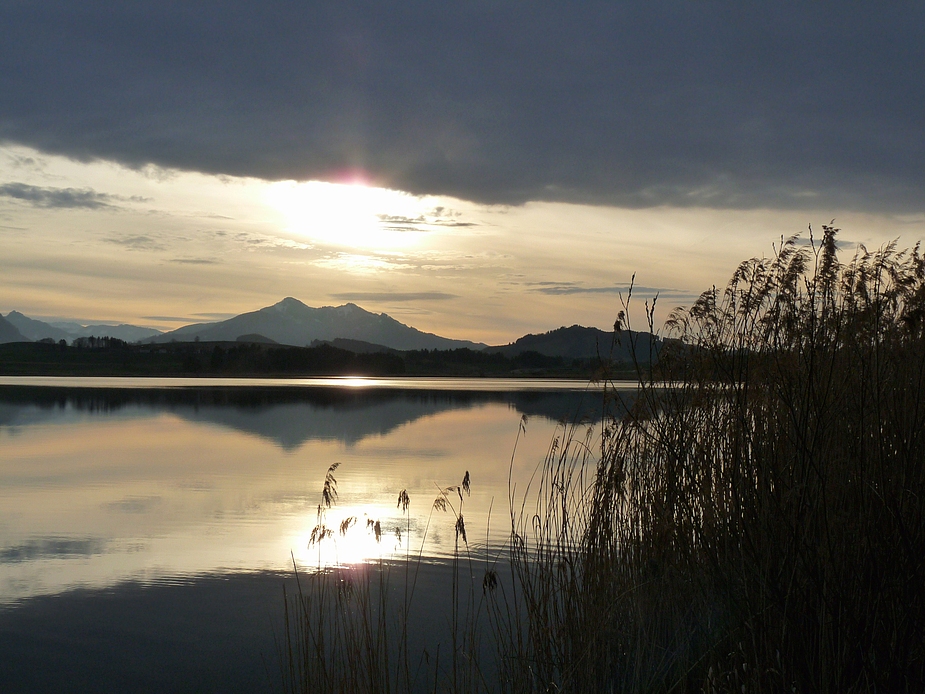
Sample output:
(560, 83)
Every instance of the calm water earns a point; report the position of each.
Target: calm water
(122, 505)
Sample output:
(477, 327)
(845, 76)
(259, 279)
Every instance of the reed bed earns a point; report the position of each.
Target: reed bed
(756, 527)
(367, 627)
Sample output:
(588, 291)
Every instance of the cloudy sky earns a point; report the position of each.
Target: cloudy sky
(479, 170)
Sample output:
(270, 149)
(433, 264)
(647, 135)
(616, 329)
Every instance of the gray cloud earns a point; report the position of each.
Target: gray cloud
(568, 288)
(403, 223)
(170, 319)
(18, 161)
(393, 296)
(213, 316)
(742, 105)
(195, 261)
(85, 198)
(816, 242)
(194, 318)
(55, 197)
(137, 243)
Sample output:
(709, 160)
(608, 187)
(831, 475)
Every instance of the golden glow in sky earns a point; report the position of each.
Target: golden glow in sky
(98, 242)
(352, 216)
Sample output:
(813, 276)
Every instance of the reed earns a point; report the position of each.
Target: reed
(758, 526)
(752, 520)
(357, 628)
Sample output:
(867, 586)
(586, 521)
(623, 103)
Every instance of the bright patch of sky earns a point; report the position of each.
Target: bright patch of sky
(157, 247)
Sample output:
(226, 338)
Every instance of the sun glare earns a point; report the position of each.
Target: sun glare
(352, 540)
(353, 381)
(353, 215)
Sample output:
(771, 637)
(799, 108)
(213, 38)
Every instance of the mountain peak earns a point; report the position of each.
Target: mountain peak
(349, 309)
(290, 322)
(289, 305)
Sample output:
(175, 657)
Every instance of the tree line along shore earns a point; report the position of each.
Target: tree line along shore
(114, 357)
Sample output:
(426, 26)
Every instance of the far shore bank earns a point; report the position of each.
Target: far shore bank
(115, 358)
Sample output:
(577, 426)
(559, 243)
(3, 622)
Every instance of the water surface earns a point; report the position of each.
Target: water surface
(140, 494)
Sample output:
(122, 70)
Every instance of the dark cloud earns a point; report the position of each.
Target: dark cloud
(85, 198)
(785, 104)
(393, 296)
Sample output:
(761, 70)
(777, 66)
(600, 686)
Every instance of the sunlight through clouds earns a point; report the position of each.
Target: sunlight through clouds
(103, 241)
(349, 215)
(358, 263)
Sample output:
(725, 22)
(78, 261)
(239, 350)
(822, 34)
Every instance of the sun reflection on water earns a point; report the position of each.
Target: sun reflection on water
(353, 381)
(350, 536)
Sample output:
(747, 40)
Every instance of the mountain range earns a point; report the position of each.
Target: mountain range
(290, 322)
(31, 330)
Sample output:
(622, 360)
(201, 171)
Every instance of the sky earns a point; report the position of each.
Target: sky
(477, 170)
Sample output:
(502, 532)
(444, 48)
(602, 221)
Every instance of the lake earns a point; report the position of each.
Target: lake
(147, 527)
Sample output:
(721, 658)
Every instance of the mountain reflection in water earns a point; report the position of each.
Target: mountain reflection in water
(287, 417)
(104, 485)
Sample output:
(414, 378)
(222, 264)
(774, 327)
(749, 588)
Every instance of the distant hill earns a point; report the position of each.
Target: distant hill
(254, 338)
(355, 346)
(290, 322)
(578, 342)
(10, 333)
(123, 331)
(68, 330)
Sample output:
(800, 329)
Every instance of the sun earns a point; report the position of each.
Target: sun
(353, 215)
